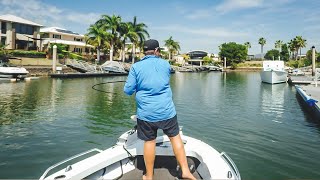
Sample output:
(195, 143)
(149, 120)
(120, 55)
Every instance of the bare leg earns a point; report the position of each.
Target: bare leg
(149, 152)
(178, 149)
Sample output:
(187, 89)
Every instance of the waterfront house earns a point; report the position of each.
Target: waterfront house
(75, 41)
(19, 33)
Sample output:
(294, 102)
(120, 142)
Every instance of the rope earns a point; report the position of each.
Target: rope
(93, 87)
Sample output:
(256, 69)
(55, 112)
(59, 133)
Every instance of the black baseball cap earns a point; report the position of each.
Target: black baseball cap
(151, 44)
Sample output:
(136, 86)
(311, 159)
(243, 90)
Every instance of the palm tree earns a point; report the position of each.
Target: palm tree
(292, 47)
(301, 43)
(126, 33)
(248, 45)
(262, 42)
(97, 37)
(140, 30)
(172, 46)
(110, 24)
(278, 44)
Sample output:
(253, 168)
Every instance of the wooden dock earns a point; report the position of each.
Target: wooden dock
(86, 75)
(302, 80)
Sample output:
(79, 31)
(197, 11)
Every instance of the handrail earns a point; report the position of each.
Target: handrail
(66, 160)
(232, 164)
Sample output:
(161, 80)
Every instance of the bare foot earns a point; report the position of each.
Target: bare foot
(144, 177)
(188, 176)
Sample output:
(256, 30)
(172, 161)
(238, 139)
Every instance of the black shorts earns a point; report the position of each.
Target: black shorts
(147, 131)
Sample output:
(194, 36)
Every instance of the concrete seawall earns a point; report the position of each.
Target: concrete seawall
(45, 70)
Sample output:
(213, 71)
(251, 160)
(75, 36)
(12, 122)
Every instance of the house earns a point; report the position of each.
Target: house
(19, 33)
(76, 42)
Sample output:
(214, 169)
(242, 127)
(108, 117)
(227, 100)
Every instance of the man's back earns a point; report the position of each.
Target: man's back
(150, 78)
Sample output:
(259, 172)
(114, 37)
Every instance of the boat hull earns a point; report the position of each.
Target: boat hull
(13, 72)
(123, 159)
(273, 77)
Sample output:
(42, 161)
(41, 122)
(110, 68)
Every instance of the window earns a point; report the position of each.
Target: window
(77, 39)
(3, 27)
(56, 36)
(3, 40)
(45, 35)
(78, 50)
(23, 28)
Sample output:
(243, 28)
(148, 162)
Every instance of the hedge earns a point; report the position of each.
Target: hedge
(29, 54)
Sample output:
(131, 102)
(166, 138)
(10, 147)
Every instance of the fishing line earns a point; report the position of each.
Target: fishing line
(94, 86)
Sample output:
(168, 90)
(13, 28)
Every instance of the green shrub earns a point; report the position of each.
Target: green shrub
(29, 54)
(249, 65)
(299, 63)
(233, 65)
(176, 64)
(60, 56)
(293, 63)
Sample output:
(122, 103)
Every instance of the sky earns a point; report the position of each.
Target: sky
(195, 24)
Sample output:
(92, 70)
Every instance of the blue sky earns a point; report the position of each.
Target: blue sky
(195, 24)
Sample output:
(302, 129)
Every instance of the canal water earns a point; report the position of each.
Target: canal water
(262, 127)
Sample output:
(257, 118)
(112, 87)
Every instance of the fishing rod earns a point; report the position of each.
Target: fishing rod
(94, 86)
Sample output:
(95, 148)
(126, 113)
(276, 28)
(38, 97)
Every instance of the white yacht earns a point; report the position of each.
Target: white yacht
(273, 72)
(124, 160)
(12, 72)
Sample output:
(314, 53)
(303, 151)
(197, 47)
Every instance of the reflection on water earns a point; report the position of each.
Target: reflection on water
(261, 126)
(272, 100)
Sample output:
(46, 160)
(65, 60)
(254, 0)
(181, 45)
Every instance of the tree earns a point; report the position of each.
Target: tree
(110, 24)
(126, 33)
(309, 55)
(141, 32)
(4, 55)
(284, 54)
(262, 42)
(272, 54)
(235, 53)
(172, 46)
(278, 45)
(97, 37)
(301, 43)
(292, 47)
(248, 45)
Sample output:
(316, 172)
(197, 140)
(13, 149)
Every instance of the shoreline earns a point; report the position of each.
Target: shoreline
(44, 71)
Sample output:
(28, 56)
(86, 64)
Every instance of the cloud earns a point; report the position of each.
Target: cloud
(231, 5)
(200, 14)
(46, 14)
(204, 32)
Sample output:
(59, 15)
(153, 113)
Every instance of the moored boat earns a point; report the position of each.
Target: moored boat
(273, 72)
(124, 160)
(12, 72)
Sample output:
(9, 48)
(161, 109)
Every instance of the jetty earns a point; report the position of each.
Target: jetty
(310, 96)
(308, 90)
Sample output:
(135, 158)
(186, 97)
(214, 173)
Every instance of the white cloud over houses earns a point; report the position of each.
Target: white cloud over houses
(46, 14)
(217, 32)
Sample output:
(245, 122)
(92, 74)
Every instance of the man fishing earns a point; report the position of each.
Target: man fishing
(149, 79)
